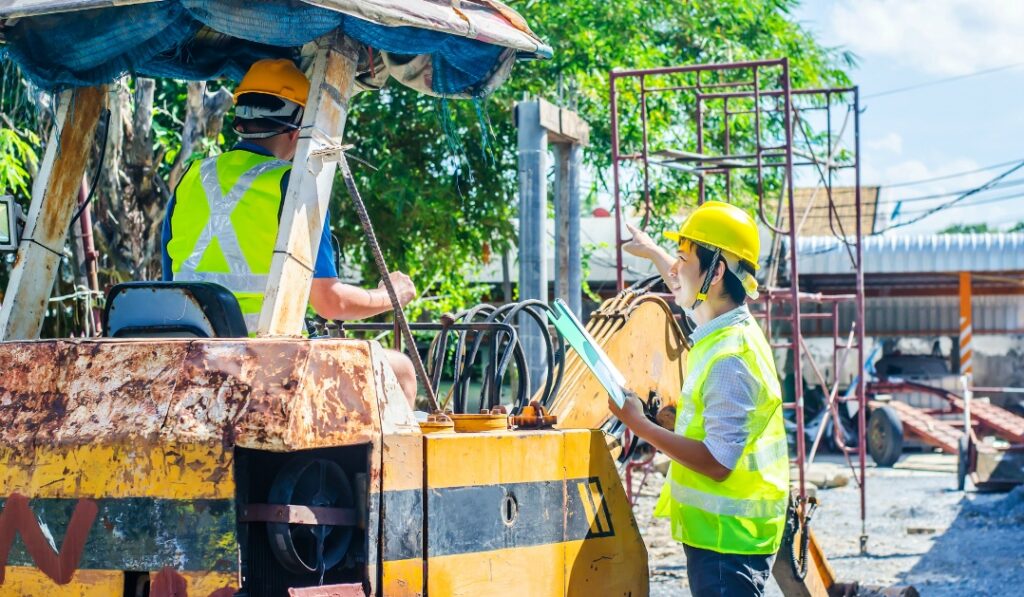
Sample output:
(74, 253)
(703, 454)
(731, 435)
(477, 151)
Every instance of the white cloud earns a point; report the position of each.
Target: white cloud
(941, 37)
(891, 143)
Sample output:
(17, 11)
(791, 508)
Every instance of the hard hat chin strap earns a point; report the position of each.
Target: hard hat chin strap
(289, 126)
(702, 294)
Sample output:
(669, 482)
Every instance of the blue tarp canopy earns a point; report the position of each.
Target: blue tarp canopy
(455, 48)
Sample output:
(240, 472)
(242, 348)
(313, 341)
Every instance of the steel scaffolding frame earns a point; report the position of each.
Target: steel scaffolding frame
(750, 85)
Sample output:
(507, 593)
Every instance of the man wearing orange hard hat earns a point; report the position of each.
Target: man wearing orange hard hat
(728, 485)
(222, 222)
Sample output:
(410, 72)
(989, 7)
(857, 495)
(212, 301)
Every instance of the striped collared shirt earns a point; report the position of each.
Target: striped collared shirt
(730, 391)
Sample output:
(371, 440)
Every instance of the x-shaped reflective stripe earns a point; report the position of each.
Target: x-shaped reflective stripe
(218, 226)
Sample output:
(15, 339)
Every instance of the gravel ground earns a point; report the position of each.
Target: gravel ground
(921, 532)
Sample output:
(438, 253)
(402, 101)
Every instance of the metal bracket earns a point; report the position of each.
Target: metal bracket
(292, 514)
(12, 223)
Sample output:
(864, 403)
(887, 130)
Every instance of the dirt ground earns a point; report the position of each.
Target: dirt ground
(921, 532)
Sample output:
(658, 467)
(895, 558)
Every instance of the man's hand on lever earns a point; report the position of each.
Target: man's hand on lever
(404, 287)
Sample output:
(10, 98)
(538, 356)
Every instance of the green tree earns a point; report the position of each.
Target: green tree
(443, 196)
(439, 211)
(966, 229)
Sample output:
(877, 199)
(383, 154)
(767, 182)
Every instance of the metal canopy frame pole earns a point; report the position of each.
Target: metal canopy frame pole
(54, 200)
(305, 207)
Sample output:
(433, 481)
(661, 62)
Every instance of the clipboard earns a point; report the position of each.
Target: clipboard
(590, 352)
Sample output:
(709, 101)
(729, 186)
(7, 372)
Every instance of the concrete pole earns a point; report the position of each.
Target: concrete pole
(562, 221)
(575, 250)
(568, 255)
(533, 280)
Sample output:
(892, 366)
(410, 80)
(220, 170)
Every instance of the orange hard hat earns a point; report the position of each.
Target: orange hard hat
(277, 77)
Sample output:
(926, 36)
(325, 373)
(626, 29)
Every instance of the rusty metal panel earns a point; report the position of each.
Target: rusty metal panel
(346, 590)
(284, 394)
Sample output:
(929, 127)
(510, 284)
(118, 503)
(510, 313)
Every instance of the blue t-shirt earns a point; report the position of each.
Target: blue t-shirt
(324, 267)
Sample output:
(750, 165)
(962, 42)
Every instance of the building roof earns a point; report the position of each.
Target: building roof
(951, 253)
(812, 210)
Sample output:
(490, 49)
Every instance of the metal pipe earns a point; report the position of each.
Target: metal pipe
(861, 394)
(668, 70)
(699, 117)
(725, 149)
(89, 253)
(726, 85)
(781, 93)
(646, 156)
(613, 102)
(533, 280)
(798, 394)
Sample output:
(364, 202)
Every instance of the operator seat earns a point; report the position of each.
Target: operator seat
(172, 310)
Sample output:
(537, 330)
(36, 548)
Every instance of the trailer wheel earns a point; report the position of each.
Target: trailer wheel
(962, 462)
(885, 436)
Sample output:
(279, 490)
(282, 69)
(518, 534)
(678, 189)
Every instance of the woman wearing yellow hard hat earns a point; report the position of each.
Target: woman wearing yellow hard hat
(728, 484)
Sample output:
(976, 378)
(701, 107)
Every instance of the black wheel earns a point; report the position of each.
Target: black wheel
(962, 462)
(885, 436)
(316, 482)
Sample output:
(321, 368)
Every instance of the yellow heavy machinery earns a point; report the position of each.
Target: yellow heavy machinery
(180, 456)
(186, 454)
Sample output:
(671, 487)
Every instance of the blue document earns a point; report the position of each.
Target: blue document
(590, 352)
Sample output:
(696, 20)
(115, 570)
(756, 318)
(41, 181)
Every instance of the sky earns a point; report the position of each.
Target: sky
(961, 118)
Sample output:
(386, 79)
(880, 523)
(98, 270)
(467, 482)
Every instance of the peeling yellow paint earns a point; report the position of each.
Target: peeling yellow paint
(20, 581)
(171, 471)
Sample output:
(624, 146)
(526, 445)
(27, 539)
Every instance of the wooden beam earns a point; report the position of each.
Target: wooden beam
(332, 85)
(54, 198)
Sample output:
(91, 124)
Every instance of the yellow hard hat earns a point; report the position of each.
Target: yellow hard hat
(720, 225)
(277, 77)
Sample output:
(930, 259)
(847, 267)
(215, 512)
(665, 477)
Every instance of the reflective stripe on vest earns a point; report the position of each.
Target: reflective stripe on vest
(768, 456)
(258, 194)
(218, 226)
(745, 513)
(725, 506)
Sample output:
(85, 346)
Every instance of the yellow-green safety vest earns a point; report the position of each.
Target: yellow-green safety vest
(224, 225)
(746, 513)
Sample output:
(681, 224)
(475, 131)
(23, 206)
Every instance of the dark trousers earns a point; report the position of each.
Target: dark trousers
(714, 574)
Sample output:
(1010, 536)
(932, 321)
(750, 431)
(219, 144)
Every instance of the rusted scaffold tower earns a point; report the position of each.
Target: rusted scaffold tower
(740, 133)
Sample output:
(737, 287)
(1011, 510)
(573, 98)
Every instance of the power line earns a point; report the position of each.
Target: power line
(850, 209)
(941, 81)
(1002, 185)
(847, 215)
(908, 183)
(953, 202)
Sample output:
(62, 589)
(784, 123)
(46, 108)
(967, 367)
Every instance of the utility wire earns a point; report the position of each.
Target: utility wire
(850, 210)
(947, 205)
(953, 202)
(1002, 185)
(986, 201)
(908, 183)
(941, 81)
